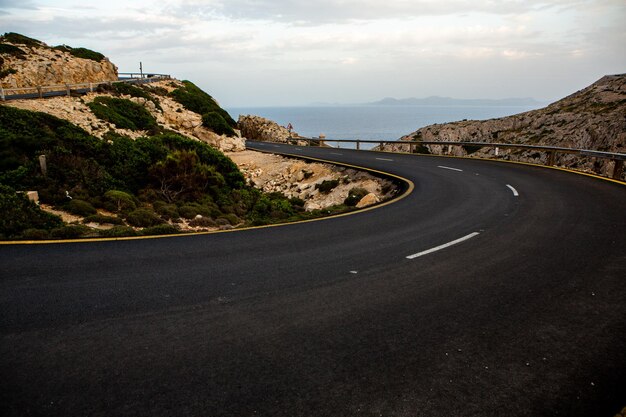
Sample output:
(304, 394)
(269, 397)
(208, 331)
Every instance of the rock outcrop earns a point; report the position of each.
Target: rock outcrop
(37, 64)
(593, 118)
(265, 130)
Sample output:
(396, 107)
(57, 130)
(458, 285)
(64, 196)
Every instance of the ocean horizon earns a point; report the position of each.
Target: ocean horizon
(372, 122)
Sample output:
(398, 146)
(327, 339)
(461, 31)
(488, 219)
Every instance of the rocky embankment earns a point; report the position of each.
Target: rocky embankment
(318, 185)
(593, 118)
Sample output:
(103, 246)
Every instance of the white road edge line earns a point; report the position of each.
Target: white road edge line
(453, 169)
(384, 159)
(445, 245)
(515, 193)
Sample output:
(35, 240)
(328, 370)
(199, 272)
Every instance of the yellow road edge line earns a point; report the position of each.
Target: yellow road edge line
(571, 171)
(408, 191)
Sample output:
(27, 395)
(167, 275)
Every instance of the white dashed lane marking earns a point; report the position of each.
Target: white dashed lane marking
(445, 245)
(452, 169)
(515, 193)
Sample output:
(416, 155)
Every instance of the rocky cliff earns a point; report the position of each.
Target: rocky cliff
(26, 62)
(593, 118)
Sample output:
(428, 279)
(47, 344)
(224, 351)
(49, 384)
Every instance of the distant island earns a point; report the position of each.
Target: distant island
(448, 101)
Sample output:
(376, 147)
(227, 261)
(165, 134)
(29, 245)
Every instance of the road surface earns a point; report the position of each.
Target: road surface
(491, 290)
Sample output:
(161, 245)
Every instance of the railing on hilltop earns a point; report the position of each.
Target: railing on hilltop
(76, 89)
(551, 151)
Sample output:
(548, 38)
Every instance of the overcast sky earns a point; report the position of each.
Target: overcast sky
(295, 52)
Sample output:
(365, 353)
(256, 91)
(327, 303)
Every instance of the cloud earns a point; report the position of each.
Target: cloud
(331, 11)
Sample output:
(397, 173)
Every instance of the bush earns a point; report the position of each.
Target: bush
(196, 100)
(119, 201)
(215, 122)
(123, 113)
(20, 214)
(6, 72)
(20, 39)
(162, 229)
(134, 91)
(36, 234)
(203, 222)
(191, 210)
(80, 207)
(327, 186)
(100, 219)
(118, 231)
(70, 231)
(354, 196)
(5, 48)
(143, 218)
(86, 54)
(231, 218)
(167, 211)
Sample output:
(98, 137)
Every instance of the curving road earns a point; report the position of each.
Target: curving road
(377, 313)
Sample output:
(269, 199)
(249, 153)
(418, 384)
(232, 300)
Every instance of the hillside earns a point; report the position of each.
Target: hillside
(593, 118)
(141, 159)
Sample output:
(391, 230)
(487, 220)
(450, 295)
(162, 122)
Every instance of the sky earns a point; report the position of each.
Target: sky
(250, 53)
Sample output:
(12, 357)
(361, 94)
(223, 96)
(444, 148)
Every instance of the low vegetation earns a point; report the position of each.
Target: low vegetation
(145, 186)
(123, 113)
(196, 100)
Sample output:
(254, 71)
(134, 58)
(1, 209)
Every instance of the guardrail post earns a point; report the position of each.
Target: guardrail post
(411, 147)
(358, 145)
(497, 151)
(551, 158)
(618, 169)
(40, 91)
(67, 90)
(2, 94)
(91, 87)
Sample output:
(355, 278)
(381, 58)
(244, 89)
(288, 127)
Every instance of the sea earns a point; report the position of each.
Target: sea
(371, 122)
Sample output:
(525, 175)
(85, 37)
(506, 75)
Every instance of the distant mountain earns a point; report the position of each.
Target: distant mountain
(447, 101)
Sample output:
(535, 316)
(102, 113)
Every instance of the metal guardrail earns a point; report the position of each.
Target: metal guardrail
(552, 151)
(69, 89)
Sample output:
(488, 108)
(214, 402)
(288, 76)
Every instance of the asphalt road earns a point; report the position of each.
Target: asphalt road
(527, 317)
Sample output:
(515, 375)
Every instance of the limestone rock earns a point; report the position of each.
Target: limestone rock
(43, 66)
(259, 128)
(368, 200)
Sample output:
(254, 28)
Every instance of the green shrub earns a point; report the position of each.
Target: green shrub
(134, 91)
(162, 229)
(143, 217)
(167, 211)
(118, 231)
(196, 100)
(191, 210)
(20, 39)
(70, 231)
(86, 54)
(5, 48)
(120, 201)
(100, 219)
(36, 234)
(215, 122)
(354, 196)
(123, 113)
(20, 214)
(80, 207)
(203, 222)
(327, 186)
(231, 218)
